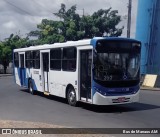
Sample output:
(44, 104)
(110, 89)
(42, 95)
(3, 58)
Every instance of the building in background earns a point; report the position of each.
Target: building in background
(148, 32)
(9, 69)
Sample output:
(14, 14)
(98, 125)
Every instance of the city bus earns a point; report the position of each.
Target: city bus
(100, 71)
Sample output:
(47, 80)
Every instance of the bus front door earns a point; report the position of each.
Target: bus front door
(45, 71)
(22, 70)
(85, 75)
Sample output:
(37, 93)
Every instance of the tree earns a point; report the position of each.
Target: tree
(99, 23)
(48, 32)
(72, 26)
(5, 55)
(7, 46)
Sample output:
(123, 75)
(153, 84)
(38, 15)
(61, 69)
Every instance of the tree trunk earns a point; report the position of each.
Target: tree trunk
(5, 65)
(5, 69)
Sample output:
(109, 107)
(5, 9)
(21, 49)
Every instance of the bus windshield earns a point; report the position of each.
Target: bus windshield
(116, 61)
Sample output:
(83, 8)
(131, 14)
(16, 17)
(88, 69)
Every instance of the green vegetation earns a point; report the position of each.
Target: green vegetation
(6, 47)
(71, 26)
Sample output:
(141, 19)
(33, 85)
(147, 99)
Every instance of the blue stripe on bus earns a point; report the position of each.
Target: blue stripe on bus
(34, 85)
(14, 74)
(26, 78)
(113, 91)
(13, 67)
(19, 76)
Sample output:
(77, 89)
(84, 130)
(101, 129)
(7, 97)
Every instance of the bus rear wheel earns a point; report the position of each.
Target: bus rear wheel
(71, 97)
(30, 87)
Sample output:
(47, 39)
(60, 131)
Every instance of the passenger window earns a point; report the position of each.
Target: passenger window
(36, 59)
(16, 59)
(69, 59)
(55, 59)
(28, 59)
(22, 60)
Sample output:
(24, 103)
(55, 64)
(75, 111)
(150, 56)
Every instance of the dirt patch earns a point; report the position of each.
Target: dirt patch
(24, 124)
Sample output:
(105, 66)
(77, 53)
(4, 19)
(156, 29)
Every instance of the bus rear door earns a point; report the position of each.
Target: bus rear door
(45, 71)
(22, 70)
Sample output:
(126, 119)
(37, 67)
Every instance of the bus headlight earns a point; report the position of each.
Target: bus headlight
(99, 91)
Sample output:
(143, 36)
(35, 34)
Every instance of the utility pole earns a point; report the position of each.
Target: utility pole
(83, 12)
(129, 18)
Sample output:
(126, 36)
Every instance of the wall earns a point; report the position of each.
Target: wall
(148, 32)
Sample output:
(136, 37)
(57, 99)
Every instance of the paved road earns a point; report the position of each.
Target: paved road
(17, 104)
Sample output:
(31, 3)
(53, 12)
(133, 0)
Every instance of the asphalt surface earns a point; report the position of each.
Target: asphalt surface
(17, 104)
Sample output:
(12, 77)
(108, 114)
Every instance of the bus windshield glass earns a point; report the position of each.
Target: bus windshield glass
(116, 61)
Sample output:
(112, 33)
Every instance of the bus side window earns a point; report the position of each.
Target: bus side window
(28, 57)
(36, 59)
(22, 60)
(55, 59)
(69, 59)
(16, 59)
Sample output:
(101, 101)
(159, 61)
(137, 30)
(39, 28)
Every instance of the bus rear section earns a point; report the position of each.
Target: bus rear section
(19, 69)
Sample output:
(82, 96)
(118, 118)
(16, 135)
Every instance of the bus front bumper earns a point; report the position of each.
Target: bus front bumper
(99, 99)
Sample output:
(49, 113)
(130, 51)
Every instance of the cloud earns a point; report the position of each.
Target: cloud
(9, 25)
(24, 15)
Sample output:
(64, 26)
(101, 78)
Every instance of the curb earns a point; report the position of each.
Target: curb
(5, 75)
(150, 88)
(150, 81)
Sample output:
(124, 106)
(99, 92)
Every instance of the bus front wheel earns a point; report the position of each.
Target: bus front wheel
(30, 86)
(71, 97)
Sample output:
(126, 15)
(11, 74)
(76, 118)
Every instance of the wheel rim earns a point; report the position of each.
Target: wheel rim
(72, 97)
(30, 88)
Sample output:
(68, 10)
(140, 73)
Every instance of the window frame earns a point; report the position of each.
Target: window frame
(55, 58)
(69, 60)
(16, 60)
(28, 60)
(35, 60)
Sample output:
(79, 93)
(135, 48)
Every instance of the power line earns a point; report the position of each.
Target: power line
(18, 7)
(43, 7)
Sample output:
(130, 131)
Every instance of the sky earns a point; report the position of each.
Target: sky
(22, 16)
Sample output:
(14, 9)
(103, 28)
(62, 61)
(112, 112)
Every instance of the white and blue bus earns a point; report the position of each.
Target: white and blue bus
(101, 71)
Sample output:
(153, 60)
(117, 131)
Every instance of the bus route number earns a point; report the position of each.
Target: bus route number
(107, 77)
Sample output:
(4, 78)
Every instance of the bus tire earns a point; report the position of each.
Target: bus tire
(30, 87)
(71, 97)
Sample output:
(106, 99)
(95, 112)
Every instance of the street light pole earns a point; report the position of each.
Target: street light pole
(129, 18)
(83, 11)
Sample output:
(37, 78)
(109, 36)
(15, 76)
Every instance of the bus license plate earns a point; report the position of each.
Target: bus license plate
(121, 99)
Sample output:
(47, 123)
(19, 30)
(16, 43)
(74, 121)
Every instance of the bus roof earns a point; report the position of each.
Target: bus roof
(94, 40)
(56, 45)
(73, 43)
